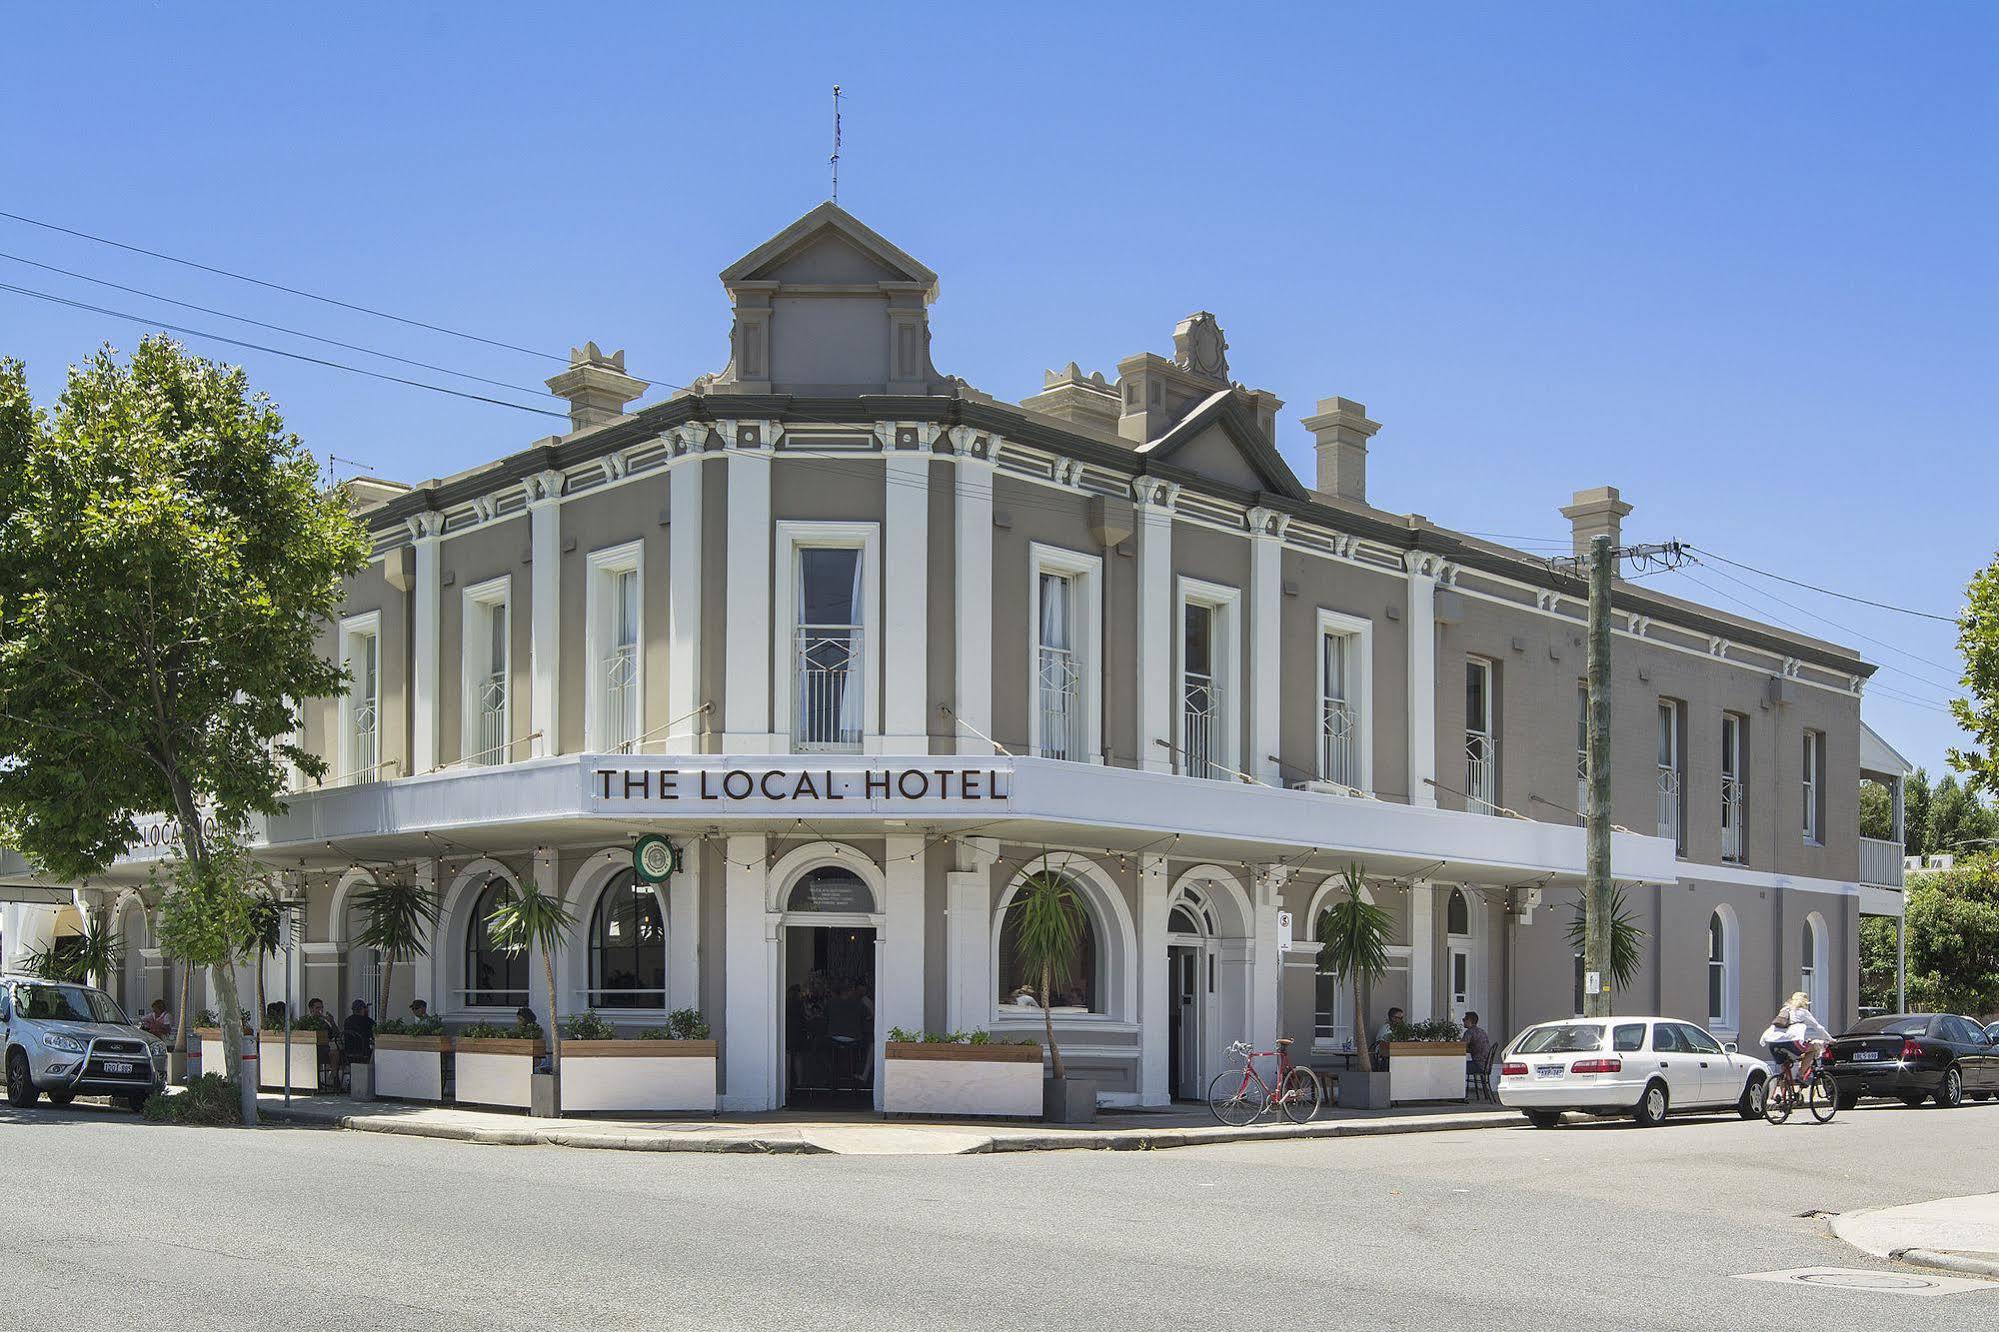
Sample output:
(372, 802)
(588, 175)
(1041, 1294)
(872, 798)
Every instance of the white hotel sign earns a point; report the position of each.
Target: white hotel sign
(614, 785)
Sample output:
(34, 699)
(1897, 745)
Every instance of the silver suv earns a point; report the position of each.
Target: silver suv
(64, 1041)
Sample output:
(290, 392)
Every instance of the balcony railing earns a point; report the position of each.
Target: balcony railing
(489, 744)
(1669, 804)
(620, 669)
(1339, 745)
(826, 674)
(1200, 709)
(1061, 702)
(367, 743)
(1582, 786)
(1880, 862)
(1481, 774)
(1734, 838)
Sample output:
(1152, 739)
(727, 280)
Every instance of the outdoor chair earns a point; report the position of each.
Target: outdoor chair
(1478, 1078)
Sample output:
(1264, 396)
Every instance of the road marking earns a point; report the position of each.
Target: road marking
(1871, 1280)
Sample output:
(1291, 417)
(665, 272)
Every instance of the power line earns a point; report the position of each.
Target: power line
(1845, 629)
(1826, 591)
(275, 351)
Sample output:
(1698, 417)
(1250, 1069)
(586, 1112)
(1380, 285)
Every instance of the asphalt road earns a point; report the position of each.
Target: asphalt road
(108, 1222)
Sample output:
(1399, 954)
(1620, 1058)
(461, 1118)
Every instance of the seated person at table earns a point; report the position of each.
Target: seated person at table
(1382, 1035)
(357, 1037)
(156, 1022)
(1478, 1043)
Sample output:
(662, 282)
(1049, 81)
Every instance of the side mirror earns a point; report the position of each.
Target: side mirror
(1730, 1047)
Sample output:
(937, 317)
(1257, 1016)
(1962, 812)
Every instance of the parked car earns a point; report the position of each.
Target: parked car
(1914, 1057)
(63, 1041)
(1992, 1032)
(1644, 1067)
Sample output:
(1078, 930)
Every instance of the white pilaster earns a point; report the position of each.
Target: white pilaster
(1266, 963)
(749, 997)
(427, 529)
(1422, 680)
(747, 652)
(548, 1008)
(1154, 684)
(1266, 611)
(683, 920)
(974, 702)
(969, 995)
(683, 591)
(899, 981)
(905, 583)
(1155, 1019)
(545, 610)
(1422, 949)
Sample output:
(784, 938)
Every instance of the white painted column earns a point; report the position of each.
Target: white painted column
(429, 972)
(545, 610)
(427, 621)
(747, 652)
(969, 985)
(1155, 1018)
(899, 979)
(1266, 610)
(1154, 501)
(549, 1008)
(1266, 963)
(683, 590)
(974, 700)
(1422, 709)
(1422, 949)
(905, 584)
(749, 1000)
(683, 920)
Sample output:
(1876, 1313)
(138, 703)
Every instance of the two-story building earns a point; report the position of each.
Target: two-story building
(869, 646)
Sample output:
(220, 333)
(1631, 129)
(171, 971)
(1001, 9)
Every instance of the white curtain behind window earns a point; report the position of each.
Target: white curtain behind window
(1054, 611)
(852, 701)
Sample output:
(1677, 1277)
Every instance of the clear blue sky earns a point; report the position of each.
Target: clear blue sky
(1738, 260)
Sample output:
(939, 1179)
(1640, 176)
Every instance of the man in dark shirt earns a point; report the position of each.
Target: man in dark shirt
(357, 1035)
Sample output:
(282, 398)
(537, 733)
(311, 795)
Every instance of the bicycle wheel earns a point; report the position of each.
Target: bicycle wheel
(1824, 1097)
(1777, 1101)
(1236, 1097)
(1300, 1095)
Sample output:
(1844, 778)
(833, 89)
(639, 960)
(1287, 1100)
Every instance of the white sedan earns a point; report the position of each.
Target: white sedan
(1644, 1067)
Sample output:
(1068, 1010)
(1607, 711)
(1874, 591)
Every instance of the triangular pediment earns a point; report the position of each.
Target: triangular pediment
(1220, 439)
(829, 247)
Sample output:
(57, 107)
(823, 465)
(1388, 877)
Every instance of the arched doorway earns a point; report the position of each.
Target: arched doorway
(1208, 977)
(1463, 965)
(827, 978)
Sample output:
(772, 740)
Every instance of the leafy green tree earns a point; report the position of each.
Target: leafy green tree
(1048, 926)
(397, 918)
(1978, 644)
(1627, 940)
(1353, 945)
(528, 918)
(167, 562)
(1953, 948)
(1959, 821)
(1877, 811)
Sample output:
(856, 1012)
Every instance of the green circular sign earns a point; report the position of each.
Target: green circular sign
(654, 858)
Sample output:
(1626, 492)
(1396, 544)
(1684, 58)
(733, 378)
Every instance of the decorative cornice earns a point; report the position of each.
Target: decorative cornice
(544, 487)
(1152, 493)
(1268, 524)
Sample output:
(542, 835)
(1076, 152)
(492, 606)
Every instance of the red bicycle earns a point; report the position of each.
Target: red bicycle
(1239, 1095)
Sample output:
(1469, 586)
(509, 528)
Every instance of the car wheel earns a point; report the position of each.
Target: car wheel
(21, 1093)
(136, 1102)
(1751, 1104)
(1544, 1118)
(1651, 1111)
(60, 1097)
(1950, 1092)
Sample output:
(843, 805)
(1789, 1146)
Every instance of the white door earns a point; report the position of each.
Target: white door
(1460, 973)
(1677, 1063)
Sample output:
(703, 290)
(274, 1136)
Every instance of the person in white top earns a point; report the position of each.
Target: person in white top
(1792, 1030)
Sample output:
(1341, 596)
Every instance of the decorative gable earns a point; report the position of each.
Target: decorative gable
(1222, 439)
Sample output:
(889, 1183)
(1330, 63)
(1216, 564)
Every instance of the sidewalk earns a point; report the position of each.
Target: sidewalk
(857, 1135)
(1959, 1234)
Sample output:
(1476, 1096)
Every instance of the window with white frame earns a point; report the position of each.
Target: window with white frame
(1734, 789)
(1481, 744)
(360, 747)
(826, 586)
(486, 686)
(1814, 786)
(1207, 704)
(1811, 968)
(1064, 713)
(1345, 711)
(1721, 994)
(614, 692)
(1672, 772)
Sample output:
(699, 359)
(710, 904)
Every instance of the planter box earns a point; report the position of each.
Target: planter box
(635, 1075)
(496, 1070)
(213, 1055)
(953, 1079)
(1426, 1071)
(271, 1060)
(410, 1067)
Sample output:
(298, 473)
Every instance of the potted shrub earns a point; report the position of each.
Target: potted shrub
(528, 918)
(1050, 926)
(671, 1067)
(409, 1058)
(306, 1034)
(960, 1073)
(397, 918)
(496, 1065)
(208, 1030)
(1426, 1061)
(1353, 948)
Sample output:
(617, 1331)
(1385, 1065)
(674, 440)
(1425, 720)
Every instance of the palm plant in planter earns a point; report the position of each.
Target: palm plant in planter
(1048, 926)
(90, 958)
(528, 918)
(1353, 946)
(1627, 938)
(266, 929)
(397, 919)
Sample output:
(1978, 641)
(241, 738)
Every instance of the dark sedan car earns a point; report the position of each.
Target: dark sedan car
(1914, 1057)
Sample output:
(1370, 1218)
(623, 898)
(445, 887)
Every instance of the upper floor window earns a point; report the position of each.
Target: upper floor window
(487, 710)
(627, 946)
(360, 746)
(615, 690)
(1814, 786)
(1063, 716)
(1207, 654)
(1344, 712)
(1734, 789)
(1481, 745)
(1672, 772)
(827, 677)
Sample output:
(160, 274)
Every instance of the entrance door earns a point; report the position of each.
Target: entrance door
(1460, 980)
(829, 1016)
(1183, 1050)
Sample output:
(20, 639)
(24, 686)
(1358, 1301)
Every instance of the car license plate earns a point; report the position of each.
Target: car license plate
(1548, 1070)
(116, 1066)
(1863, 1056)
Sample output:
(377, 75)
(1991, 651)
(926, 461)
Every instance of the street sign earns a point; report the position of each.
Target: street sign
(1592, 982)
(1283, 931)
(654, 858)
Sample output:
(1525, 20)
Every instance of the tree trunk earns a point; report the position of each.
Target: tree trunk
(232, 1037)
(180, 1013)
(1364, 1041)
(1048, 1023)
(554, 1016)
(383, 975)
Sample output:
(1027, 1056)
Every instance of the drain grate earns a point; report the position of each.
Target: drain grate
(1813, 1213)
(1871, 1281)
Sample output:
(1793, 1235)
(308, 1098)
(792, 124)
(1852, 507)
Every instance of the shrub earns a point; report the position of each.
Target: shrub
(920, 1037)
(587, 1027)
(1430, 1029)
(687, 1024)
(492, 1031)
(426, 1026)
(209, 1099)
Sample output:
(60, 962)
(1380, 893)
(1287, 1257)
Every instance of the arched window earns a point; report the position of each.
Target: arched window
(627, 946)
(1811, 964)
(1720, 972)
(1457, 913)
(493, 979)
(1082, 992)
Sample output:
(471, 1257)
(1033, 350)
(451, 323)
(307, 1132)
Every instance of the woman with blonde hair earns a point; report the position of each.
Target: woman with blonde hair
(1791, 1029)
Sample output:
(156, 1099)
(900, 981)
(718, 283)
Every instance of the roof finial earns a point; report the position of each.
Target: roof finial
(835, 159)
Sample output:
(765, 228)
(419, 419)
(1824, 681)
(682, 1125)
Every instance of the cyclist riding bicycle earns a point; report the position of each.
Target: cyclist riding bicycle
(1791, 1032)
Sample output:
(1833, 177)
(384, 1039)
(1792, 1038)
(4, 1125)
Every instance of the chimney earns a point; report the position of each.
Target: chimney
(1342, 431)
(596, 385)
(1596, 512)
(1070, 395)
